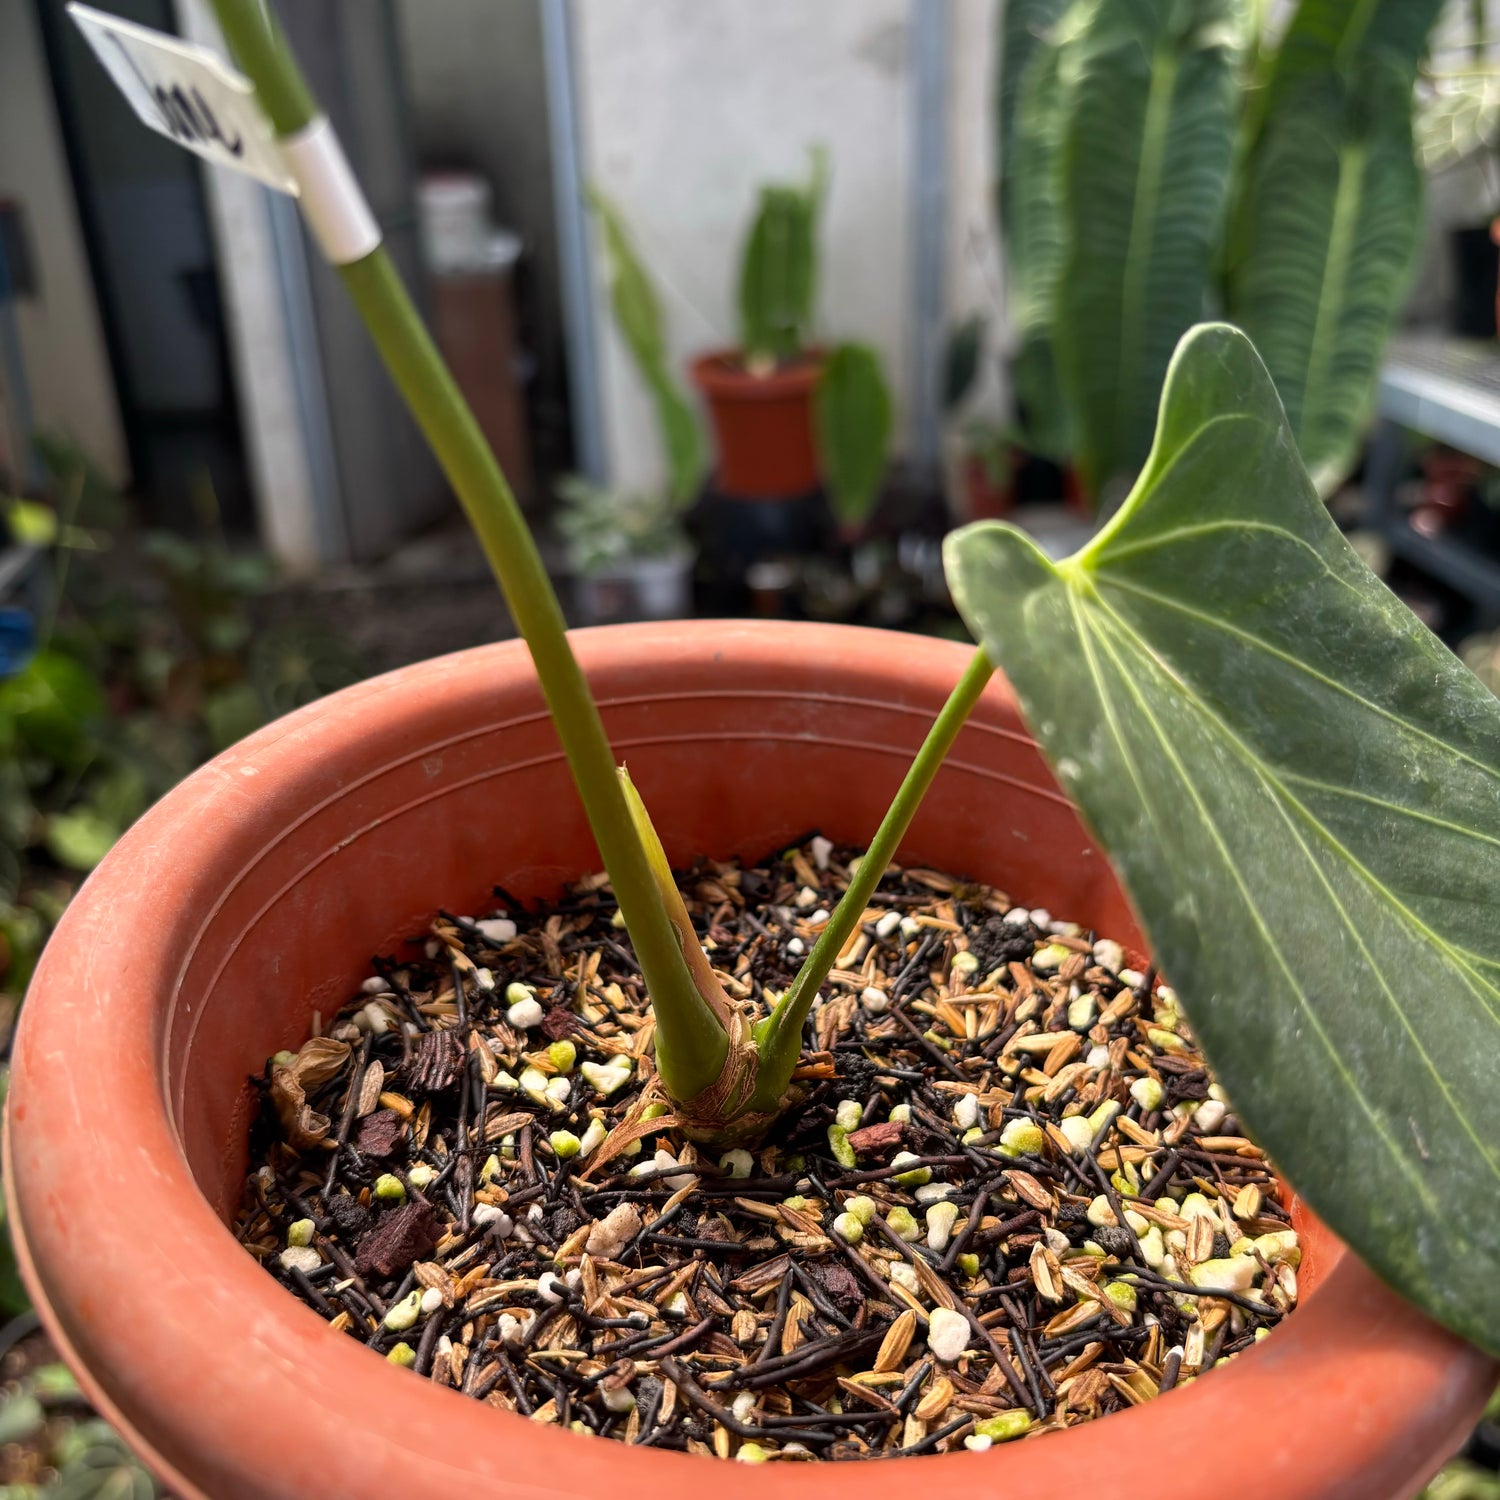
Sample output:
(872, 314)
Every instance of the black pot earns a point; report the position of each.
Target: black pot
(1476, 271)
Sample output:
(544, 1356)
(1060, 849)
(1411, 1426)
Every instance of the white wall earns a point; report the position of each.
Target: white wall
(67, 368)
(686, 107)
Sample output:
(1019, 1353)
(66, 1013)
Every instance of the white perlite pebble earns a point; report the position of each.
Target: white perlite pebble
(966, 1111)
(373, 1018)
(873, 999)
(496, 929)
(607, 1077)
(525, 1014)
(821, 849)
(796, 946)
(888, 924)
(1209, 1116)
(300, 1258)
(548, 1286)
(374, 985)
(1108, 954)
(432, 1299)
(1017, 916)
(512, 1330)
(905, 1277)
(491, 1217)
(947, 1334)
(614, 1231)
(738, 1163)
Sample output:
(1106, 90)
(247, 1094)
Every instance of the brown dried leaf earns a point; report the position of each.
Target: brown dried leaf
(318, 1060)
(304, 1126)
(369, 1088)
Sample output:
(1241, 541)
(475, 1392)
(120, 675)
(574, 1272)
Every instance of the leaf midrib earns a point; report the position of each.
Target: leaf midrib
(1353, 159)
(1165, 64)
(1281, 799)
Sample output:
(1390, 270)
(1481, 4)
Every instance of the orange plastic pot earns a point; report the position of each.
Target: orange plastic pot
(763, 426)
(253, 896)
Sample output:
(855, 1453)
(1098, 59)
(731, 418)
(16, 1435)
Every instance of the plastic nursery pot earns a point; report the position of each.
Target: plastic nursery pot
(252, 897)
(763, 425)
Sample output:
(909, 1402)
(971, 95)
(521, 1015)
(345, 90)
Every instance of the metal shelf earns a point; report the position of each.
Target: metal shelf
(1447, 389)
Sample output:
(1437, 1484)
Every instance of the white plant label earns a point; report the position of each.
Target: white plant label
(187, 94)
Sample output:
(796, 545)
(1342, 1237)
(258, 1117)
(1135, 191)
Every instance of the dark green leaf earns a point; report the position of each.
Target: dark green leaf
(1327, 222)
(1025, 31)
(1338, 35)
(852, 409)
(1146, 150)
(638, 315)
(1032, 230)
(1300, 788)
(779, 269)
(961, 361)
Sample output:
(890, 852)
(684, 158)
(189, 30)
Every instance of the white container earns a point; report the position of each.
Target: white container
(646, 588)
(454, 210)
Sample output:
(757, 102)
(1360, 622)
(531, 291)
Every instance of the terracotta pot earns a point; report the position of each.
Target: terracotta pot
(254, 894)
(983, 498)
(763, 426)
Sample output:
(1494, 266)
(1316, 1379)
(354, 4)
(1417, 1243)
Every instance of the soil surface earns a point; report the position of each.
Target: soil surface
(1006, 1198)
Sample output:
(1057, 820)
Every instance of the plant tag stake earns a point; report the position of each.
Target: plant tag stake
(187, 94)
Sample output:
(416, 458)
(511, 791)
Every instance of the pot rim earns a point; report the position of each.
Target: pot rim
(720, 374)
(1359, 1362)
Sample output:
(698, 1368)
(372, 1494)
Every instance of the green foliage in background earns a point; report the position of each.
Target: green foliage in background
(147, 665)
(1163, 159)
(637, 311)
(1031, 111)
(1328, 216)
(852, 412)
(779, 269)
(1143, 165)
(778, 290)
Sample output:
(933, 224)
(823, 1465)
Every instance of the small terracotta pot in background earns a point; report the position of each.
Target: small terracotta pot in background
(253, 896)
(763, 425)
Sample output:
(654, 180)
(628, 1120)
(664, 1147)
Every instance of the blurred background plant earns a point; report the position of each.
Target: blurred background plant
(144, 660)
(51, 1445)
(1163, 162)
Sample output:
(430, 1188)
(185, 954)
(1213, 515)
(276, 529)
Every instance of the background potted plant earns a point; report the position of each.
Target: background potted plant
(788, 415)
(1158, 161)
(1248, 772)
